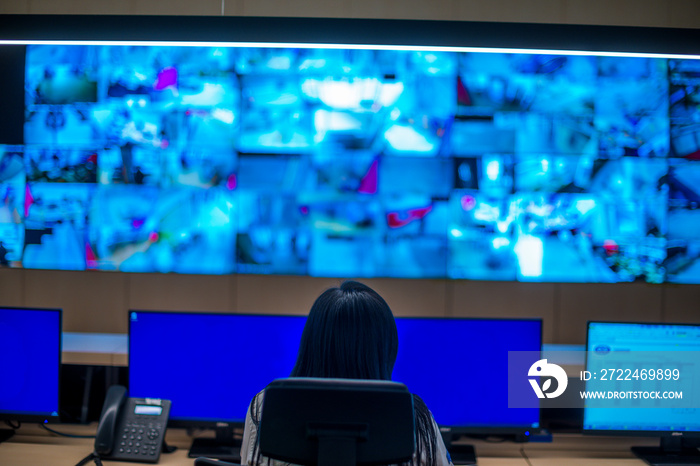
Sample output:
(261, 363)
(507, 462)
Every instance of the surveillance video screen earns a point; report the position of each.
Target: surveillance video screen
(355, 162)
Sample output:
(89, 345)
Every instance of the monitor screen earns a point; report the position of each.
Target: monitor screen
(656, 345)
(30, 345)
(459, 367)
(209, 365)
(409, 161)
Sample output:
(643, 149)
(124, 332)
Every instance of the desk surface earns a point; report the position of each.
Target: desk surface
(32, 446)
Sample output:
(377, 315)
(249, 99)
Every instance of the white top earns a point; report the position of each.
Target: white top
(250, 435)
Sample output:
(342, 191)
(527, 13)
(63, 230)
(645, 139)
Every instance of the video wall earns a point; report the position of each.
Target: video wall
(355, 162)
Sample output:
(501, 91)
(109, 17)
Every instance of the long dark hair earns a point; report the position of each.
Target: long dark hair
(351, 333)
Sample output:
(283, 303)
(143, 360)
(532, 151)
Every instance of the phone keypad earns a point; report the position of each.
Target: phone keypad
(140, 440)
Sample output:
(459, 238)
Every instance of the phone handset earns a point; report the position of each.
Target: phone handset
(106, 429)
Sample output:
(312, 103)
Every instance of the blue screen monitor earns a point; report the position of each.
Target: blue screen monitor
(654, 343)
(209, 365)
(438, 359)
(30, 359)
(459, 367)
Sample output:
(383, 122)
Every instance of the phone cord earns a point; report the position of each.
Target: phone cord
(92, 456)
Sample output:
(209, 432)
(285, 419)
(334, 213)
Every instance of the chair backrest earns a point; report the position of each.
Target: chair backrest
(337, 422)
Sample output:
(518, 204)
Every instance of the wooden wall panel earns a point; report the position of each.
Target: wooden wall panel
(91, 301)
(177, 7)
(579, 303)
(416, 298)
(111, 7)
(523, 11)
(259, 294)
(11, 287)
(20, 7)
(682, 304)
(99, 302)
(295, 295)
(504, 299)
(684, 13)
(405, 9)
(178, 292)
(295, 8)
(80, 7)
(670, 13)
(618, 12)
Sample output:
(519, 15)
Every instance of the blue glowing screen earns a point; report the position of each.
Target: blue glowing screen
(30, 357)
(211, 365)
(656, 344)
(459, 367)
(347, 162)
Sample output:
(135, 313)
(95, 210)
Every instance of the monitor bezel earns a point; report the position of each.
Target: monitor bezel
(197, 422)
(635, 433)
(351, 31)
(507, 430)
(35, 417)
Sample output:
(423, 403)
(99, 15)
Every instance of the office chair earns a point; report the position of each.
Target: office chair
(335, 422)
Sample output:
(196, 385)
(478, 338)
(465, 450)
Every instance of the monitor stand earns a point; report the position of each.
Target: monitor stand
(6, 434)
(223, 446)
(460, 453)
(671, 451)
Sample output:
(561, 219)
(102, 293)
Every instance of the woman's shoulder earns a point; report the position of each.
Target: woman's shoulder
(255, 405)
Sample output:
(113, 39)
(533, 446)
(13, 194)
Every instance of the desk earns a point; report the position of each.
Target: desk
(38, 449)
(585, 462)
(33, 446)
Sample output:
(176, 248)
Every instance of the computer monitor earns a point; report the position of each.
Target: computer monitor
(459, 367)
(30, 360)
(646, 347)
(209, 365)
